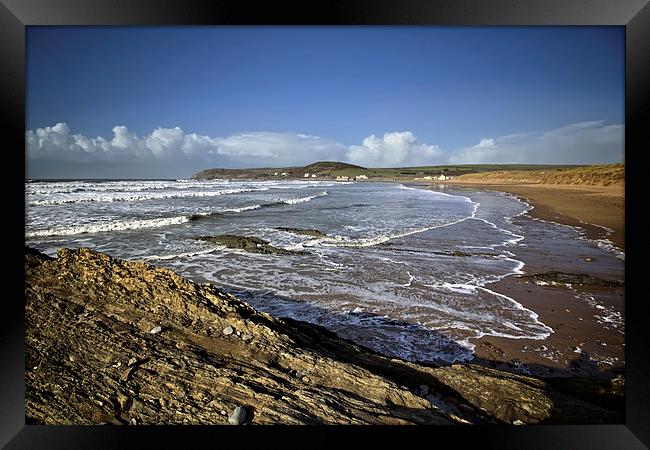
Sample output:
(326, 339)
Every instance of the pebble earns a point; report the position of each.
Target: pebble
(518, 422)
(238, 416)
(156, 330)
(588, 259)
(123, 401)
(134, 421)
(228, 330)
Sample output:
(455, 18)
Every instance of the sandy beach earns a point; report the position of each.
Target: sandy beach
(590, 207)
(580, 345)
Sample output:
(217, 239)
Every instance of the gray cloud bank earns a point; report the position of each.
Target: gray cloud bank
(55, 152)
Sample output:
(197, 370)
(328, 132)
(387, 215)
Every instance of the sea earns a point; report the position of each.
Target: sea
(404, 270)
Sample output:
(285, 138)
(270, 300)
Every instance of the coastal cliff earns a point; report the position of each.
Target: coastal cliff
(117, 342)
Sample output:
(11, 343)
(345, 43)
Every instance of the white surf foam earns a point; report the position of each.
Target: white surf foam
(121, 225)
(243, 208)
(294, 201)
(139, 197)
(181, 255)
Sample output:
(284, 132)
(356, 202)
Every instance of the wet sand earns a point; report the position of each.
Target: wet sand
(580, 345)
(584, 206)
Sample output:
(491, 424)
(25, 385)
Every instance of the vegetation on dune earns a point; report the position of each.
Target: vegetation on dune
(603, 175)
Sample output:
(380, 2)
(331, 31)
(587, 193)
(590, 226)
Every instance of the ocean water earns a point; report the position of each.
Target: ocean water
(403, 270)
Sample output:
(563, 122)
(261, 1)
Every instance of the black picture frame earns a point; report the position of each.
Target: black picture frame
(634, 15)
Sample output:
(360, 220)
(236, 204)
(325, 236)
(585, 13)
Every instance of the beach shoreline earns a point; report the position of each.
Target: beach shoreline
(579, 346)
(599, 210)
(578, 339)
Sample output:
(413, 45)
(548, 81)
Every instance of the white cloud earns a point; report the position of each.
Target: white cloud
(175, 148)
(171, 150)
(579, 143)
(278, 149)
(485, 143)
(393, 150)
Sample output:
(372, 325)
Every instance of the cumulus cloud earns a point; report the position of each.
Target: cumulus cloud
(172, 147)
(580, 143)
(279, 149)
(170, 152)
(394, 150)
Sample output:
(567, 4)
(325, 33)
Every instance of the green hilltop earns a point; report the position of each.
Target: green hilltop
(334, 169)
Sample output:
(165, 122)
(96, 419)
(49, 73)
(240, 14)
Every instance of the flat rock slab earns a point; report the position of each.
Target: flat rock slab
(248, 243)
(303, 231)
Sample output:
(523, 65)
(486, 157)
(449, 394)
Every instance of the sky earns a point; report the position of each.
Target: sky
(166, 102)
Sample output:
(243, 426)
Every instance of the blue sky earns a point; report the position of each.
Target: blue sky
(362, 94)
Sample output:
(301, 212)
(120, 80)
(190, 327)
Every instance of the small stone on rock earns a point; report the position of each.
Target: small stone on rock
(156, 330)
(238, 416)
(228, 330)
(132, 361)
(518, 422)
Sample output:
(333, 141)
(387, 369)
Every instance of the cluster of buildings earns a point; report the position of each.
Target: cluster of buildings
(357, 178)
(441, 177)
(314, 175)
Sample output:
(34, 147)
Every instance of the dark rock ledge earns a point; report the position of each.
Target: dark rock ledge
(303, 231)
(249, 244)
(116, 342)
(574, 279)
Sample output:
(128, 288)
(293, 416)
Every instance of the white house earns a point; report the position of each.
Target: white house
(313, 175)
(443, 177)
(306, 175)
(275, 174)
(284, 174)
(361, 177)
(342, 178)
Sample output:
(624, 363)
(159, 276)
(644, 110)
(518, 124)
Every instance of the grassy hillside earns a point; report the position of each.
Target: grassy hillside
(604, 175)
(494, 173)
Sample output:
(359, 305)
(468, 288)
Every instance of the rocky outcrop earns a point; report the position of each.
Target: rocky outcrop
(110, 341)
(574, 279)
(396, 248)
(303, 231)
(249, 244)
